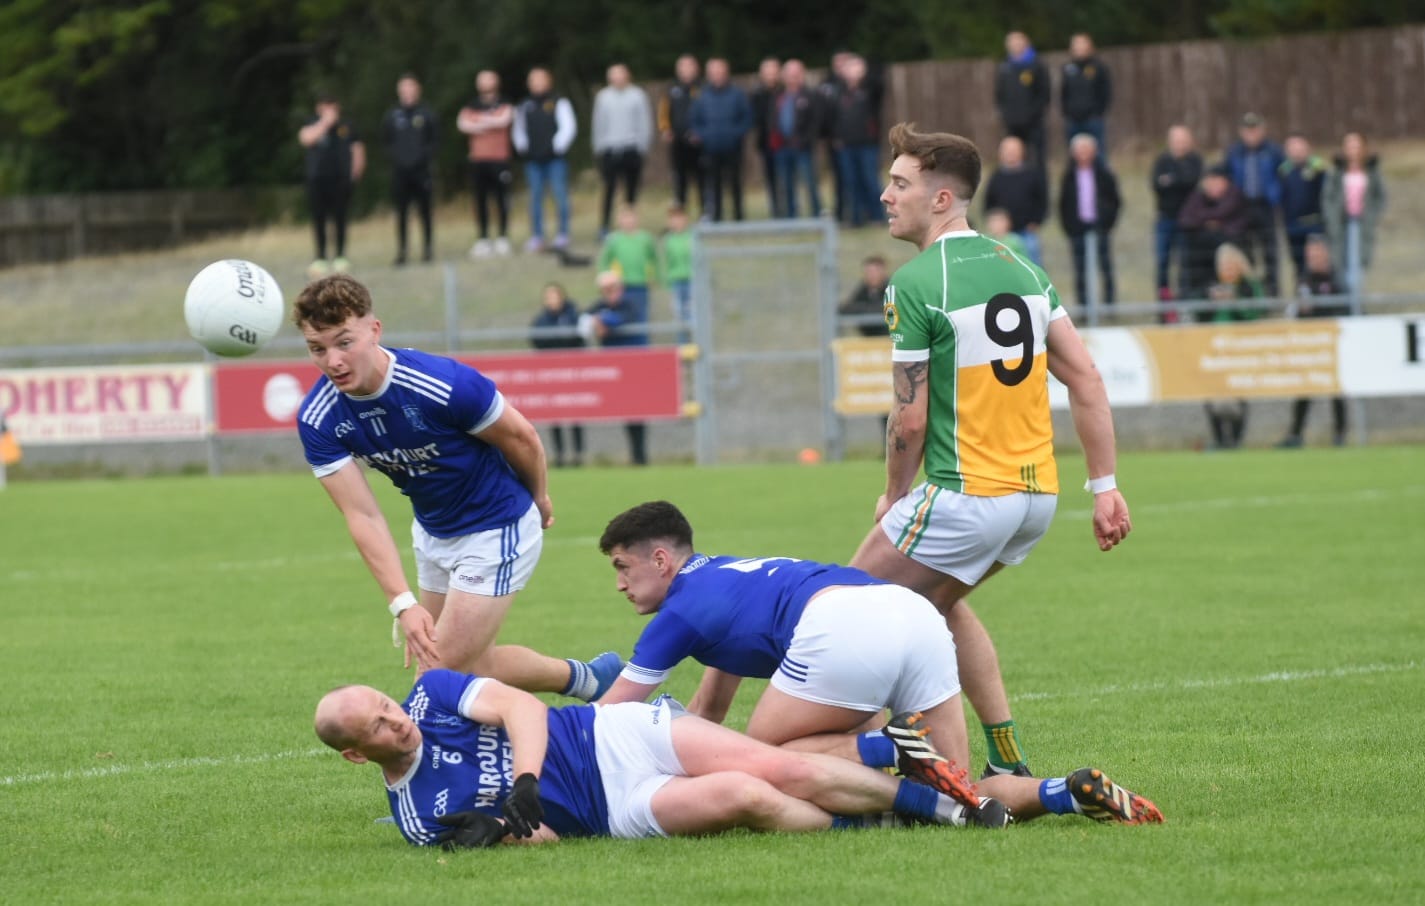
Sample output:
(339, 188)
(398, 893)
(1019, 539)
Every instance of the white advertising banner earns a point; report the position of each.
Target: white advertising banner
(102, 404)
(1381, 355)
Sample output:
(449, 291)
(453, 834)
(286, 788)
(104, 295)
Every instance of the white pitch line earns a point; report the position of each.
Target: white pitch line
(148, 767)
(1193, 685)
(1187, 685)
(1262, 501)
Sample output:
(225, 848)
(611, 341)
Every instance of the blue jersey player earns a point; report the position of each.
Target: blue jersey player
(473, 468)
(468, 760)
(838, 645)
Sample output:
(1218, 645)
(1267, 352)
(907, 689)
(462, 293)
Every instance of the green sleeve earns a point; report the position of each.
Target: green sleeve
(606, 254)
(906, 317)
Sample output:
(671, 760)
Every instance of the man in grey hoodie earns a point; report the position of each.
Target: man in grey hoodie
(623, 131)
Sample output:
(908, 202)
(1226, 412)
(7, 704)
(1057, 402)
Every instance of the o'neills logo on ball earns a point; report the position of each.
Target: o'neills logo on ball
(247, 280)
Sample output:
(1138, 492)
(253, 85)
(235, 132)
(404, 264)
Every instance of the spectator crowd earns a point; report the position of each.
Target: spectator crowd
(1216, 233)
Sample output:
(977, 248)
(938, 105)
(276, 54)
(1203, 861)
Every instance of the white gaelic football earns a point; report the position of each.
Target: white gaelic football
(233, 307)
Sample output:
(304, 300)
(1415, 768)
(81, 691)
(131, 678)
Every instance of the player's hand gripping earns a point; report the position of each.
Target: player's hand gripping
(1110, 519)
(469, 830)
(523, 811)
(419, 629)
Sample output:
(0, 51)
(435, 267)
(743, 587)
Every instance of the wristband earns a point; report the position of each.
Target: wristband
(1095, 485)
(402, 603)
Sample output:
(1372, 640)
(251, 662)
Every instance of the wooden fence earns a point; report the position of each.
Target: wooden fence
(1321, 85)
(58, 227)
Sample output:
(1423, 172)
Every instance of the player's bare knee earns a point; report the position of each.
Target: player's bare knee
(799, 774)
(751, 802)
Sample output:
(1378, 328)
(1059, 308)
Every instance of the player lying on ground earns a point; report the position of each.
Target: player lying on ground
(838, 645)
(473, 468)
(468, 761)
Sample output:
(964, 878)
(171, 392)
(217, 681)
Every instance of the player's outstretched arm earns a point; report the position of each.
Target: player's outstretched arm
(1070, 362)
(352, 495)
(715, 694)
(517, 439)
(905, 430)
(524, 717)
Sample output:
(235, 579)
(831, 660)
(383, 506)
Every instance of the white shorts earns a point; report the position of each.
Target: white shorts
(633, 744)
(492, 563)
(962, 535)
(870, 647)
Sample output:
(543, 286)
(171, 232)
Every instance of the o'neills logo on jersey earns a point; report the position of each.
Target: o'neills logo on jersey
(404, 461)
(496, 771)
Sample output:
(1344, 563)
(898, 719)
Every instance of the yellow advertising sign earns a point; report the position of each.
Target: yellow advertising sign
(863, 375)
(1254, 359)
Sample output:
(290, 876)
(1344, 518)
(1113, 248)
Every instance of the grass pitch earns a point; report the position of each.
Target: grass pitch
(1250, 659)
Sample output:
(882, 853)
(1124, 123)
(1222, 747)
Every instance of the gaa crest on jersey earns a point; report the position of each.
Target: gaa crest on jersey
(888, 309)
(414, 417)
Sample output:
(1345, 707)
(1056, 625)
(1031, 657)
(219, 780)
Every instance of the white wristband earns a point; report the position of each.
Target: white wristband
(402, 603)
(1100, 485)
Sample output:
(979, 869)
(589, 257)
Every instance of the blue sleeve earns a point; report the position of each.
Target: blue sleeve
(613, 317)
(320, 447)
(665, 642)
(445, 689)
(475, 402)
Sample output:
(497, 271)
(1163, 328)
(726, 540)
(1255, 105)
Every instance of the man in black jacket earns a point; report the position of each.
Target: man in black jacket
(675, 125)
(1085, 91)
(1089, 204)
(793, 124)
(1022, 192)
(857, 136)
(1176, 173)
(410, 135)
(769, 85)
(1022, 94)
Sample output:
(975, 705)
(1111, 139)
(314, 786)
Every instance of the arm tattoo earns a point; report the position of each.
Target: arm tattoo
(893, 434)
(908, 377)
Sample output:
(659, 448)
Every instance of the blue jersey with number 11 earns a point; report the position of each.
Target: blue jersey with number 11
(419, 429)
(736, 615)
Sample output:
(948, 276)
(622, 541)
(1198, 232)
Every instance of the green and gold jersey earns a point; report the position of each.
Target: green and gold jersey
(978, 315)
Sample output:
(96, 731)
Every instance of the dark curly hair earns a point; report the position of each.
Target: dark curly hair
(658, 520)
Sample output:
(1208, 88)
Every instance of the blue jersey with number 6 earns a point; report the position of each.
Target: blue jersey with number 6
(465, 765)
(736, 615)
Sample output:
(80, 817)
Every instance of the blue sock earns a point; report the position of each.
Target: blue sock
(1054, 795)
(581, 680)
(916, 800)
(876, 749)
(847, 822)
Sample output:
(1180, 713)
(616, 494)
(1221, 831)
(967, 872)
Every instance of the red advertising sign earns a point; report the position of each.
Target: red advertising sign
(643, 384)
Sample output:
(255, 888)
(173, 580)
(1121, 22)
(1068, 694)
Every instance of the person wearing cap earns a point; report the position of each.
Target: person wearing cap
(1252, 164)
